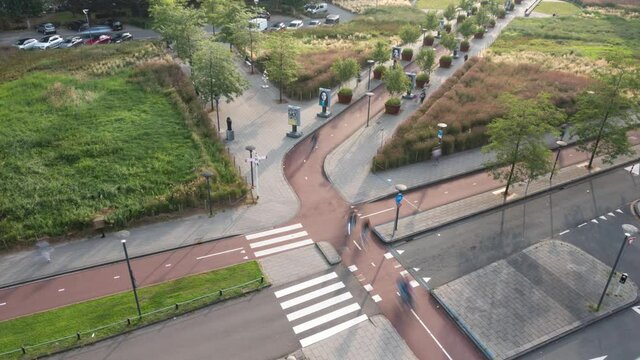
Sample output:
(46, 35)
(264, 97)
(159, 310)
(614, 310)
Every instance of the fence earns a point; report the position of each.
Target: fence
(81, 338)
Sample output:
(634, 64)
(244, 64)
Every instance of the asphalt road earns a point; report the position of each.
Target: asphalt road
(254, 327)
(458, 249)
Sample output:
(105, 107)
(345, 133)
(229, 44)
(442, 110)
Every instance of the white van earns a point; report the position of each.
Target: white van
(258, 24)
(318, 8)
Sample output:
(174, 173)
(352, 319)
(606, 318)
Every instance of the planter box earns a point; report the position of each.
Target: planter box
(445, 63)
(406, 57)
(427, 41)
(421, 83)
(464, 47)
(479, 35)
(377, 74)
(518, 2)
(344, 99)
(391, 109)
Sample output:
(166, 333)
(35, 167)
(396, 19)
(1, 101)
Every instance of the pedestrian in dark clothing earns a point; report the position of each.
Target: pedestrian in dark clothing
(423, 95)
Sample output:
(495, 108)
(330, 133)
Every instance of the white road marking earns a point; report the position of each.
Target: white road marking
(356, 244)
(426, 279)
(304, 285)
(600, 358)
(3, 304)
(400, 252)
(326, 318)
(376, 298)
(117, 277)
(474, 184)
(319, 306)
(594, 221)
(499, 191)
(388, 255)
(332, 331)
(273, 231)
(416, 269)
(312, 295)
(414, 283)
(167, 265)
(220, 253)
(368, 287)
(61, 290)
(376, 213)
(446, 192)
(583, 224)
(438, 234)
(611, 214)
(603, 218)
(278, 239)
(620, 211)
(396, 266)
(564, 232)
(636, 309)
(352, 268)
(633, 169)
(245, 257)
(373, 264)
(404, 272)
(284, 248)
(306, 178)
(433, 337)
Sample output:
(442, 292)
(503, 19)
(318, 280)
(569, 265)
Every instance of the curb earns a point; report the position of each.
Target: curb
(510, 203)
(74, 270)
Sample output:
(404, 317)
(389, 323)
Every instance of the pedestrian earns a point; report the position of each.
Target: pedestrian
(466, 57)
(314, 140)
(364, 234)
(353, 218)
(405, 291)
(423, 95)
(435, 154)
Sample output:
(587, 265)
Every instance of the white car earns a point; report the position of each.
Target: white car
(295, 24)
(318, 8)
(49, 42)
(25, 44)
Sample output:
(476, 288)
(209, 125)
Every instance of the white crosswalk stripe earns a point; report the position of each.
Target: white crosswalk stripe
(278, 240)
(319, 308)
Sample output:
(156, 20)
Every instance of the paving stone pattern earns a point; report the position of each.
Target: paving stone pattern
(531, 297)
(375, 339)
(445, 214)
(292, 265)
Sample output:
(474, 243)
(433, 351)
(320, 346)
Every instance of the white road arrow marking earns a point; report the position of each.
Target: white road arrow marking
(594, 221)
(400, 252)
(603, 218)
(426, 279)
(600, 358)
(611, 214)
(416, 269)
(620, 211)
(636, 309)
(635, 169)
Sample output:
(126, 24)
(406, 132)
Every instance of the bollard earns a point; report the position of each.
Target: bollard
(78, 335)
(24, 351)
(176, 306)
(261, 279)
(220, 292)
(128, 321)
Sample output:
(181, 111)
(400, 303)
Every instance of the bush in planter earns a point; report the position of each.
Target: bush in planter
(428, 40)
(345, 69)
(464, 45)
(381, 52)
(474, 10)
(426, 59)
(479, 34)
(396, 82)
(445, 61)
(421, 79)
(379, 71)
(461, 18)
(449, 12)
(502, 13)
(409, 34)
(447, 28)
(344, 95)
(393, 101)
(492, 22)
(407, 54)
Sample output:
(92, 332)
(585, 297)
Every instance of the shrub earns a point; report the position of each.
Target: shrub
(464, 45)
(492, 22)
(422, 77)
(396, 81)
(448, 142)
(409, 33)
(502, 13)
(345, 91)
(408, 52)
(447, 27)
(381, 52)
(345, 69)
(393, 101)
(381, 69)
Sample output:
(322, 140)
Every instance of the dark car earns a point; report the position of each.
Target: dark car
(46, 28)
(75, 25)
(278, 26)
(120, 37)
(115, 25)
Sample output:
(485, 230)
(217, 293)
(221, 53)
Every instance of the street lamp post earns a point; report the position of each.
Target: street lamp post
(86, 15)
(133, 279)
(369, 95)
(629, 230)
(370, 64)
(207, 175)
(250, 148)
(399, 197)
(217, 99)
(560, 144)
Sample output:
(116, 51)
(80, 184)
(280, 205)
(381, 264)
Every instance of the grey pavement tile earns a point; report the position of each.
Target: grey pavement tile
(292, 265)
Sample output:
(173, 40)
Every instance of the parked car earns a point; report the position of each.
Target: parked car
(121, 37)
(115, 25)
(332, 19)
(314, 23)
(258, 24)
(71, 42)
(278, 26)
(264, 14)
(49, 42)
(318, 8)
(295, 24)
(76, 25)
(95, 31)
(25, 44)
(99, 40)
(46, 28)
(309, 6)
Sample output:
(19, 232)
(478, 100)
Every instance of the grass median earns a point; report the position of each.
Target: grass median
(90, 321)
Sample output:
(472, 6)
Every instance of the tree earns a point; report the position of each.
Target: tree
(281, 64)
(234, 29)
(466, 5)
(517, 139)
(409, 34)
(450, 12)
(482, 18)
(597, 133)
(345, 69)
(396, 81)
(431, 21)
(494, 7)
(426, 59)
(179, 24)
(21, 9)
(467, 29)
(448, 41)
(381, 52)
(215, 74)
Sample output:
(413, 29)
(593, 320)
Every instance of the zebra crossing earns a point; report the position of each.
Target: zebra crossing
(279, 239)
(319, 308)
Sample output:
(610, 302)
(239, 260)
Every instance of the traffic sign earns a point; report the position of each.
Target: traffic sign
(399, 197)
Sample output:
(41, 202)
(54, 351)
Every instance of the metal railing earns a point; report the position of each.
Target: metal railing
(81, 338)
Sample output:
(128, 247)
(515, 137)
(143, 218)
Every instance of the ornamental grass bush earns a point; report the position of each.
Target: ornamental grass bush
(467, 102)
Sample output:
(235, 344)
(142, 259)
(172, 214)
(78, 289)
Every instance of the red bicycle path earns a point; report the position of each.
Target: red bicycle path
(427, 330)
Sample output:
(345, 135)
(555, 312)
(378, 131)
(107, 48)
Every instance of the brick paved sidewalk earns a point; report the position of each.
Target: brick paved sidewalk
(473, 205)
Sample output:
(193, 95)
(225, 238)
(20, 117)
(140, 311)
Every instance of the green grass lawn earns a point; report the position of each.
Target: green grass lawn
(596, 37)
(82, 137)
(87, 317)
(557, 7)
(435, 4)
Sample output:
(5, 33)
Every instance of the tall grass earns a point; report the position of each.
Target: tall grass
(123, 142)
